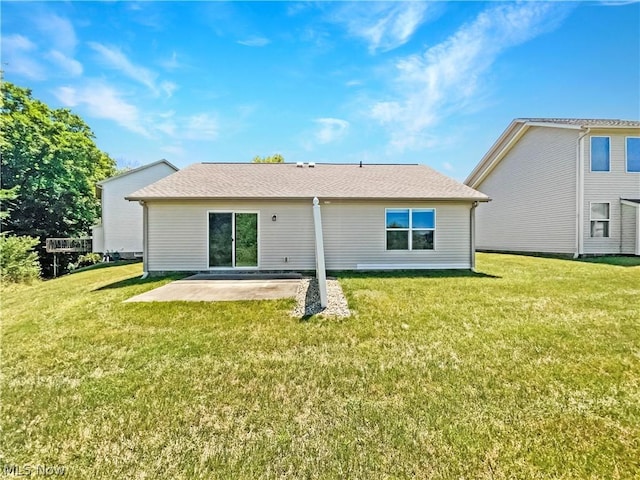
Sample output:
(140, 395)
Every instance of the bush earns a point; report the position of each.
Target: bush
(18, 262)
(88, 259)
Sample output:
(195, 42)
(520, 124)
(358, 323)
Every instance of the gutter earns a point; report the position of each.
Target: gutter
(580, 193)
(472, 236)
(145, 239)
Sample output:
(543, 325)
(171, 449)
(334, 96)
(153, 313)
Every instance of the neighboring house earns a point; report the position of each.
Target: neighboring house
(121, 227)
(565, 186)
(221, 216)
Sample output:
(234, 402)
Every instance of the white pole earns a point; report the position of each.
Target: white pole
(321, 273)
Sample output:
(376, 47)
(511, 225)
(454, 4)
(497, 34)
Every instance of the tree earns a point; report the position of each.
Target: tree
(51, 156)
(277, 158)
(6, 200)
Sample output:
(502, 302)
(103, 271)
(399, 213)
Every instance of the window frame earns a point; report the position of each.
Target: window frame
(626, 153)
(410, 229)
(233, 242)
(591, 154)
(592, 220)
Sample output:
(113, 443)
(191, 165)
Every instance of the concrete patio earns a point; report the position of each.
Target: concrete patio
(221, 288)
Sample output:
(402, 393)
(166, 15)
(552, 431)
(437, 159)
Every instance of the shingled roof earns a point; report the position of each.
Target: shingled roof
(290, 181)
(583, 122)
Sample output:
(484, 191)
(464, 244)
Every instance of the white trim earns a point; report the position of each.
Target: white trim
(626, 153)
(591, 154)
(491, 158)
(410, 229)
(631, 204)
(600, 219)
(136, 170)
(412, 266)
(233, 244)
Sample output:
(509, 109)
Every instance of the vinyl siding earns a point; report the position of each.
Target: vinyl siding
(355, 234)
(608, 187)
(97, 237)
(122, 219)
(353, 231)
(533, 192)
(630, 230)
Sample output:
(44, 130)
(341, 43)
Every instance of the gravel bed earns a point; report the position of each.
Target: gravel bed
(308, 299)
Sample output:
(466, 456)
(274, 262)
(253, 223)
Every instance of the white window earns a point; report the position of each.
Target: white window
(600, 154)
(410, 228)
(600, 217)
(633, 154)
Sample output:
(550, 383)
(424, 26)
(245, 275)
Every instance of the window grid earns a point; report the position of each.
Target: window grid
(410, 230)
(600, 219)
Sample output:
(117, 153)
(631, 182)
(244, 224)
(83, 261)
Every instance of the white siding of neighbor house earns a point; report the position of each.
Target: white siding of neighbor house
(354, 234)
(609, 187)
(97, 237)
(122, 219)
(629, 229)
(533, 192)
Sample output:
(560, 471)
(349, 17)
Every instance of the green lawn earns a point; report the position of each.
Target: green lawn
(530, 369)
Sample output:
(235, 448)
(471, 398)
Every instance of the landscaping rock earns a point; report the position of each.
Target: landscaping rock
(308, 299)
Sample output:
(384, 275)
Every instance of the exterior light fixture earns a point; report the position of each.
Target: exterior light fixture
(274, 218)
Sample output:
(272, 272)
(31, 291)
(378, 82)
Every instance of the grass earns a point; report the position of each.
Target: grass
(530, 369)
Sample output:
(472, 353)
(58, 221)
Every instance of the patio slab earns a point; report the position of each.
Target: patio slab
(204, 290)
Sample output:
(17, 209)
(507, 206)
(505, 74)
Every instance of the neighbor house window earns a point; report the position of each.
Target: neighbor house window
(600, 161)
(600, 217)
(410, 228)
(633, 154)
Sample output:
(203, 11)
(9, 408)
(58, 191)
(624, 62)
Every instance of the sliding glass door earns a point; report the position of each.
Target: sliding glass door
(233, 239)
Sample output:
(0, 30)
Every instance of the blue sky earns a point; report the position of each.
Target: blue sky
(416, 82)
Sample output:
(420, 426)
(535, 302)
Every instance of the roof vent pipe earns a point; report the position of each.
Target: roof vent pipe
(299, 164)
(360, 163)
(312, 164)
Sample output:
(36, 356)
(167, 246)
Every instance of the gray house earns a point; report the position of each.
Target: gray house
(567, 186)
(222, 216)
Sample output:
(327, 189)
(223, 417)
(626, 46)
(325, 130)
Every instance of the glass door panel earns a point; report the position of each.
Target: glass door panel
(220, 240)
(246, 244)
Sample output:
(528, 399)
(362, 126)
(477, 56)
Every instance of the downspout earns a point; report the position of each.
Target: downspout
(321, 273)
(472, 236)
(145, 239)
(580, 194)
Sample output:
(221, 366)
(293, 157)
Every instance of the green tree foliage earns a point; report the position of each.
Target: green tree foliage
(6, 198)
(277, 158)
(51, 156)
(18, 262)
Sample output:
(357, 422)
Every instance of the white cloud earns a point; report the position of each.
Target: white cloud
(19, 59)
(59, 30)
(383, 25)
(117, 60)
(171, 63)
(199, 127)
(446, 79)
(175, 150)
(330, 129)
(255, 42)
(69, 65)
(103, 101)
